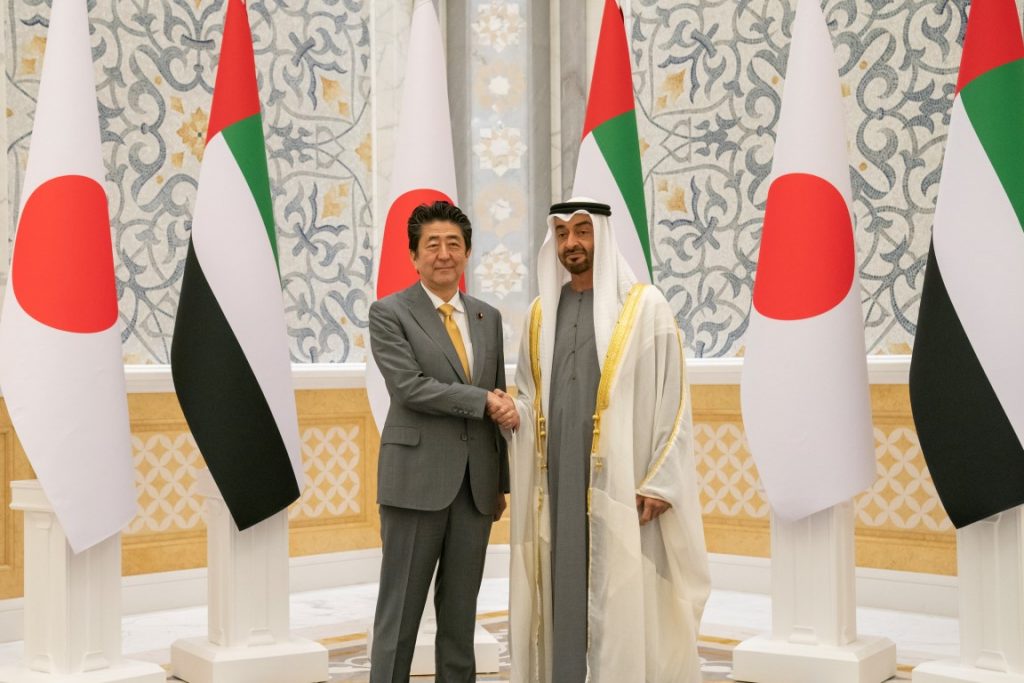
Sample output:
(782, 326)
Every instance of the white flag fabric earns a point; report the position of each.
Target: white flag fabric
(61, 365)
(423, 172)
(805, 394)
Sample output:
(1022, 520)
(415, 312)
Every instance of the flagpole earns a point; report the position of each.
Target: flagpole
(990, 567)
(814, 623)
(72, 604)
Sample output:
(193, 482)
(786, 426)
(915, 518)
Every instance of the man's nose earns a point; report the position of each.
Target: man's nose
(571, 241)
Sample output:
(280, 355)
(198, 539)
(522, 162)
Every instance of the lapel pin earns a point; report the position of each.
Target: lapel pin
(480, 316)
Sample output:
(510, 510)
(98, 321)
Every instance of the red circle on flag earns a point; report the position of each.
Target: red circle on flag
(396, 271)
(63, 266)
(807, 257)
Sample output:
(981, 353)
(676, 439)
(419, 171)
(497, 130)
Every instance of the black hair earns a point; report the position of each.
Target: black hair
(437, 212)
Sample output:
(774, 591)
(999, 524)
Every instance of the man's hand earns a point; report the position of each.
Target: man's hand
(502, 409)
(502, 504)
(650, 508)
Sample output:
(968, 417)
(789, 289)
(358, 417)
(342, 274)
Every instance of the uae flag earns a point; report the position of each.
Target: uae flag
(423, 171)
(229, 357)
(608, 168)
(61, 364)
(804, 390)
(966, 375)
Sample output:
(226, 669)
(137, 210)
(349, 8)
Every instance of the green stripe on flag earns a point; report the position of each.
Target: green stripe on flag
(245, 140)
(994, 102)
(619, 142)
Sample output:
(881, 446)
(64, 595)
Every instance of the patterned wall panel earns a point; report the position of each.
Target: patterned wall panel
(335, 512)
(501, 270)
(900, 520)
(709, 77)
(155, 67)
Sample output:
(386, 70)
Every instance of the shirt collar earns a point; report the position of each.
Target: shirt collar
(456, 300)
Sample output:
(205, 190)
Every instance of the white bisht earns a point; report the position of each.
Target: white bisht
(647, 585)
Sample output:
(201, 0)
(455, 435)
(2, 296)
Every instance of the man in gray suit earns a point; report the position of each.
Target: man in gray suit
(443, 471)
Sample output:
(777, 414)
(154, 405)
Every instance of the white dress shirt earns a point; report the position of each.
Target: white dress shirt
(460, 318)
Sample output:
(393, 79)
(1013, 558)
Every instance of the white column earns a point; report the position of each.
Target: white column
(72, 604)
(249, 638)
(990, 564)
(814, 621)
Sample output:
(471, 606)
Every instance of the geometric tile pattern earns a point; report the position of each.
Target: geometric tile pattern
(902, 497)
(333, 466)
(166, 465)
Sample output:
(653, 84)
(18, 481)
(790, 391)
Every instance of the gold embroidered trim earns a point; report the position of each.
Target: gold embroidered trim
(541, 427)
(679, 414)
(623, 328)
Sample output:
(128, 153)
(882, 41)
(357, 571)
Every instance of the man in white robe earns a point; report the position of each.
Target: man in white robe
(645, 575)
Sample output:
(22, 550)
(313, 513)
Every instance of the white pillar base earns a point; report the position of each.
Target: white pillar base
(485, 649)
(249, 639)
(72, 604)
(126, 672)
(952, 671)
(990, 565)
(197, 660)
(761, 659)
(814, 619)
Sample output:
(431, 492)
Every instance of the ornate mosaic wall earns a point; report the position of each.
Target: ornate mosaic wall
(503, 255)
(155, 67)
(709, 77)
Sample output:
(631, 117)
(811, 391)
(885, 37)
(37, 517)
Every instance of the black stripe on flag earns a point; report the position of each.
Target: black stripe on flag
(225, 407)
(974, 456)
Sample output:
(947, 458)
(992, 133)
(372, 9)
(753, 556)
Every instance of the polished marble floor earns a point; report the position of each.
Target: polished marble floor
(339, 617)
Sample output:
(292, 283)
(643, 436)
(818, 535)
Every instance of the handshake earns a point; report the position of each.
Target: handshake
(502, 409)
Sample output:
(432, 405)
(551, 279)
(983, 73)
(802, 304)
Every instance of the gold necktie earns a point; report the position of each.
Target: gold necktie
(448, 311)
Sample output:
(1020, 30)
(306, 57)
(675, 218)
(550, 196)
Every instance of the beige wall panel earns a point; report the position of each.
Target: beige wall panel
(900, 523)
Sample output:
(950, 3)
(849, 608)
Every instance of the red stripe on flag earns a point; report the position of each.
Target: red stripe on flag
(396, 270)
(235, 94)
(611, 86)
(63, 266)
(805, 267)
(993, 38)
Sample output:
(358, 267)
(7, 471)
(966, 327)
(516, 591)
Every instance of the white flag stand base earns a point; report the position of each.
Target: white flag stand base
(485, 646)
(990, 565)
(249, 639)
(814, 619)
(72, 604)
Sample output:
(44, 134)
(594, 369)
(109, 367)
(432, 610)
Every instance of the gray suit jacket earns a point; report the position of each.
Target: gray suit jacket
(437, 425)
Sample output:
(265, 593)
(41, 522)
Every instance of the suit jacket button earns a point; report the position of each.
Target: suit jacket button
(464, 437)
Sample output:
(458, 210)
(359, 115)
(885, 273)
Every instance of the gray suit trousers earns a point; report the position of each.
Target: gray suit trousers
(454, 540)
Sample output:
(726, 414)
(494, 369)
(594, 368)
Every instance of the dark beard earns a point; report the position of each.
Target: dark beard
(577, 268)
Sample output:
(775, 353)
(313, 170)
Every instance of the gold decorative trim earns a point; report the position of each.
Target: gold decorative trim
(679, 415)
(613, 357)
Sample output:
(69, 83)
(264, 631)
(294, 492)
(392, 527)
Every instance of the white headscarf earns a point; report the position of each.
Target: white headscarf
(613, 279)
